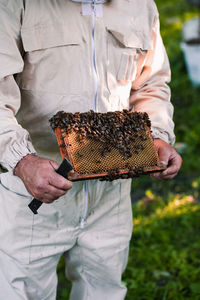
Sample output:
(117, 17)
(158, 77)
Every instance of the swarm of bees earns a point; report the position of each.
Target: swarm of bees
(116, 129)
(119, 129)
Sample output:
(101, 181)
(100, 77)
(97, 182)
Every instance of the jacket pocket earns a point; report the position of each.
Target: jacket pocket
(124, 48)
(53, 58)
(42, 37)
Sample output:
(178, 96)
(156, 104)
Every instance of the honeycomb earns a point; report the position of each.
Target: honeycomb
(95, 156)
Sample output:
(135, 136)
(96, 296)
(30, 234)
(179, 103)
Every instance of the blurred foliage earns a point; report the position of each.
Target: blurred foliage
(164, 260)
(185, 97)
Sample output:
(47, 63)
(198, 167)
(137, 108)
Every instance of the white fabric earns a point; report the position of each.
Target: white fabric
(94, 2)
(87, 10)
(89, 5)
(96, 255)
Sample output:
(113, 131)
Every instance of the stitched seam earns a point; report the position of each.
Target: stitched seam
(31, 239)
(119, 223)
(41, 26)
(5, 187)
(47, 92)
(83, 270)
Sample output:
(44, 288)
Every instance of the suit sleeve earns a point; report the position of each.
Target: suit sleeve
(15, 141)
(150, 91)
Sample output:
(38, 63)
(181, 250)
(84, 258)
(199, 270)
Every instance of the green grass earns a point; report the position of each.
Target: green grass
(164, 260)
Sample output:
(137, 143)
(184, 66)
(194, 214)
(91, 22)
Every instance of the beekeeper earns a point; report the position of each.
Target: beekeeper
(72, 56)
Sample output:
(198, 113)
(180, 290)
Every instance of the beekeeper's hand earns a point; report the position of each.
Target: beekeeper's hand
(40, 178)
(169, 158)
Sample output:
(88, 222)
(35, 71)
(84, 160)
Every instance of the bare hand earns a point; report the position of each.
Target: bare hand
(169, 158)
(40, 178)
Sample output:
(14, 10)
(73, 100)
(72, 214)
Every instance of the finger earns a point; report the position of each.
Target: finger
(174, 166)
(55, 192)
(163, 154)
(171, 176)
(60, 182)
(162, 176)
(170, 170)
(156, 176)
(50, 194)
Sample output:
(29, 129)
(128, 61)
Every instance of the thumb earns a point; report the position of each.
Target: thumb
(163, 155)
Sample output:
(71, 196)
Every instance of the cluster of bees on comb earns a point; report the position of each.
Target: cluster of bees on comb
(118, 129)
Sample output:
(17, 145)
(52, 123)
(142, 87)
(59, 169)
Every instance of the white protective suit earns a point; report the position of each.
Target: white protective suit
(62, 55)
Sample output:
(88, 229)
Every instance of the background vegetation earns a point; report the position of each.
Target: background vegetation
(164, 260)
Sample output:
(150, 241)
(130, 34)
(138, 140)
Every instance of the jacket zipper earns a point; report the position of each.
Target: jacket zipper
(94, 107)
(93, 57)
(85, 205)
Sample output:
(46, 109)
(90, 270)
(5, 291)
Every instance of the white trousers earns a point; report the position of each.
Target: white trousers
(31, 245)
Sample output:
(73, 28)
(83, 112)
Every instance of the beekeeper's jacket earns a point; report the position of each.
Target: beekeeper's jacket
(53, 58)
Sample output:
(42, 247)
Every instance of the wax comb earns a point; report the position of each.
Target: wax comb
(106, 146)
